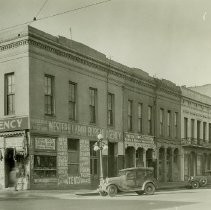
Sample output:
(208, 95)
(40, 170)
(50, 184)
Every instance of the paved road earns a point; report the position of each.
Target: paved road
(166, 200)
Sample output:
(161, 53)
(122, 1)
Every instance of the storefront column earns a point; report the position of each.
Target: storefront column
(144, 157)
(157, 164)
(172, 164)
(182, 165)
(165, 164)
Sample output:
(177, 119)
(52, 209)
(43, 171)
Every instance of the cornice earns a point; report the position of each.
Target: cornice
(14, 45)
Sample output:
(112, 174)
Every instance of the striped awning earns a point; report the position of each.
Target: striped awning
(13, 133)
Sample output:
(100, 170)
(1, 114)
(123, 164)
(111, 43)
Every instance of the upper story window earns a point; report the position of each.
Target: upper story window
(204, 130)
(185, 127)
(150, 120)
(110, 109)
(169, 123)
(49, 95)
(129, 115)
(192, 128)
(140, 113)
(72, 101)
(9, 94)
(92, 104)
(161, 122)
(176, 124)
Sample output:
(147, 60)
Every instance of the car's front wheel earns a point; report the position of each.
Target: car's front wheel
(112, 190)
(195, 184)
(149, 189)
(141, 192)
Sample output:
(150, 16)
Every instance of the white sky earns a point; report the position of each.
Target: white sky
(170, 39)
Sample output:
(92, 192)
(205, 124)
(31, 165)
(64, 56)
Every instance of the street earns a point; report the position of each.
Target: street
(172, 200)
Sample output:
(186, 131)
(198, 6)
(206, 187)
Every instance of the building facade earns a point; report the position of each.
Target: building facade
(195, 133)
(57, 95)
(167, 130)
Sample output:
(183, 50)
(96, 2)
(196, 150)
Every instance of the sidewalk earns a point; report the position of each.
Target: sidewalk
(82, 192)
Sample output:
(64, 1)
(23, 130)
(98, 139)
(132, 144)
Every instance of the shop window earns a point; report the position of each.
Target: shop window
(93, 159)
(73, 157)
(44, 166)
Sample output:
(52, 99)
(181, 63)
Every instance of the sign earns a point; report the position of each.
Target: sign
(75, 129)
(145, 141)
(11, 124)
(45, 143)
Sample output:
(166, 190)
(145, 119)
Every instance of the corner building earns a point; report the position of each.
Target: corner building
(57, 95)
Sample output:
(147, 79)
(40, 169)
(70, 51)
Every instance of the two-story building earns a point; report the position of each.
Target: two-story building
(195, 133)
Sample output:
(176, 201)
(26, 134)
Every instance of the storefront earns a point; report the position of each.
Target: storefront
(140, 150)
(62, 154)
(14, 161)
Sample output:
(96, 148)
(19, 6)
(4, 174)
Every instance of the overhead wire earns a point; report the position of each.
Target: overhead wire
(35, 19)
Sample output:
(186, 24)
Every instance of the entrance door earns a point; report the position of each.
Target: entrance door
(112, 162)
(10, 174)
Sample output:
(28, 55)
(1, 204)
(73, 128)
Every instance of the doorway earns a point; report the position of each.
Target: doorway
(112, 160)
(9, 168)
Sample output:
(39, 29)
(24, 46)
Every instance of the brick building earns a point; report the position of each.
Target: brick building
(57, 95)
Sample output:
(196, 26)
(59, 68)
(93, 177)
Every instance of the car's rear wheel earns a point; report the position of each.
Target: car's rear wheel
(149, 189)
(141, 192)
(112, 190)
(203, 182)
(195, 184)
(103, 193)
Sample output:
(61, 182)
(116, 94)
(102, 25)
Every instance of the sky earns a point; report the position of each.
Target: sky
(169, 39)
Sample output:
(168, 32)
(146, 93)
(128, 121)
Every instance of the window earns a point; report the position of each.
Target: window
(185, 127)
(161, 122)
(204, 130)
(209, 132)
(176, 124)
(93, 159)
(72, 101)
(129, 117)
(9, 94)
(169, 123)
(192, 128)
(198, 130)
(139, 117)
(110, 109)
(92, 104)
(44, 166)
(149, 120)
(49, 95)
(73, 157)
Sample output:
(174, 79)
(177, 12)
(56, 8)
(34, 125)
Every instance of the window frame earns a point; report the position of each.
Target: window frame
(93, 105)
(140, 117)
(130, 115)
(50, 95)
(72, 100)
(7, 93)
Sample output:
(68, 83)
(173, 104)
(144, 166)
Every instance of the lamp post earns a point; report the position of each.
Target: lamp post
(100, 146)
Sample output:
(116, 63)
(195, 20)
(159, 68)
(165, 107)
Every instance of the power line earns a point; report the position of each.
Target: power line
(41, 8)
(57, 14)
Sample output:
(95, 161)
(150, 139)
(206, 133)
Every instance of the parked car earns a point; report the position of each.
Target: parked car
(139, 180)
(200, 181)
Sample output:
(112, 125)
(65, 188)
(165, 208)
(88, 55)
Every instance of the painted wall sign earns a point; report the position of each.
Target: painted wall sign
(11, 124)
(45, 143)
(136, 140)
(75, 129)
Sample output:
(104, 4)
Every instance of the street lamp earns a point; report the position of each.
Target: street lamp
(100, 146)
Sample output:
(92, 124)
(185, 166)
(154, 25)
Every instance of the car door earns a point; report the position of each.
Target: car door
(140, 177)
(131, 179)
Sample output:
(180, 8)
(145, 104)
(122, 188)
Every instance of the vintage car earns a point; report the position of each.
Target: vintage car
(200, 181)
(139, 180)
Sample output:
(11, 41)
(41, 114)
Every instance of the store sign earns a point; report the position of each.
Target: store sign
(136, 140)
(75, 129)
(12, 124)
(45, 143)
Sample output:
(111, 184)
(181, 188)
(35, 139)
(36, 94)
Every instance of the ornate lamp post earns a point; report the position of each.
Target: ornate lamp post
(100, 146)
